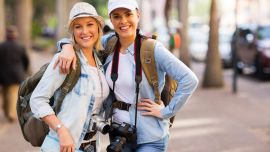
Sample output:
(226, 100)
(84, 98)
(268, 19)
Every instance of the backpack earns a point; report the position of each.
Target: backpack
(149, 67)
(150, 71)
(33, 129)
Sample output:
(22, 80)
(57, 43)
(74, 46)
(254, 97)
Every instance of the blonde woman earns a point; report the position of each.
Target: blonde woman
(69, 127)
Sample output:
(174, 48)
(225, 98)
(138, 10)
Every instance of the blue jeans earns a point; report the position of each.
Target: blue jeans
(156, 146)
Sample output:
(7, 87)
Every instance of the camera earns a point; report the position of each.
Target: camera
(117, 144)
(90, 148)
(98, 123)
(122, 133)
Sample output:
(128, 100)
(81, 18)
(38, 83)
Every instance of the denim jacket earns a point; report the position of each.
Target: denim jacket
(149, 128)
(76, 109)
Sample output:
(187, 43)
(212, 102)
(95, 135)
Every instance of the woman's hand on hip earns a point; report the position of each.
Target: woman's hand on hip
(66, 58)
(152, 108)
(66, 140)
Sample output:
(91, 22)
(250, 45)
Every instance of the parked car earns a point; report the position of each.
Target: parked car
(199, 45)
(225, 48)
(252, 46)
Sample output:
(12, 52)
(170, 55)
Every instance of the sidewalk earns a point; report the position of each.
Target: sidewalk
(214, 120)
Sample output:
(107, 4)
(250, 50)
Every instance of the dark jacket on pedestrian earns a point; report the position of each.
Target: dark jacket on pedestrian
(14, 63)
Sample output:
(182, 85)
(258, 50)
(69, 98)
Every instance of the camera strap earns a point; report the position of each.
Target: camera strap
(138, 71)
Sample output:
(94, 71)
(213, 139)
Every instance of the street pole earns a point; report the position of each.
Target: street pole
(234, 52)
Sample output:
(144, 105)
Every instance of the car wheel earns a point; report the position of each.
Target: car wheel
(238, 68)
(259, 69)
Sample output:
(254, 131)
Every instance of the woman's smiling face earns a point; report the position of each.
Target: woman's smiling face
(85, 31)
(125, 22)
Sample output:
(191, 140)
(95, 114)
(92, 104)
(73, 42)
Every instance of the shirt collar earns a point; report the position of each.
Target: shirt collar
(130, 49)
(98, 62)
(85, 61)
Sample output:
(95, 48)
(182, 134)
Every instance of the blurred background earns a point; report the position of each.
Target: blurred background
(226, 43)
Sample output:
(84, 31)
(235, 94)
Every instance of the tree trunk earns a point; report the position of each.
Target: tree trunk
(183, 17)
(24, 13)
(168, 6)
(62, 18)
(213, 72)
(2, 19)
(62, 9)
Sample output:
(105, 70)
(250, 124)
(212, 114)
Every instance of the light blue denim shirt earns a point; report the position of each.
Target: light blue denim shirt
(150, 129)
(76, 109)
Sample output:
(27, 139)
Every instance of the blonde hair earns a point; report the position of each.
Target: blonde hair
(97, 46)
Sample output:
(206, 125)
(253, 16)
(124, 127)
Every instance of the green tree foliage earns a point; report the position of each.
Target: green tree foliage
(199, 8)
(101, 6)
(10, 2)
(43, 12)
(43, 6)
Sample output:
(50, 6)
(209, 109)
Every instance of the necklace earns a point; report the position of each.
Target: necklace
(99, 77)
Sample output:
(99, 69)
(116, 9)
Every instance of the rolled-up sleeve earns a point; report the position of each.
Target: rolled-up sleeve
(49, 83)
(106, 38)
(61, 42)
(186, 79)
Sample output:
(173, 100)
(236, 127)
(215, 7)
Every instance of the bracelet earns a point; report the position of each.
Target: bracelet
(58, 127)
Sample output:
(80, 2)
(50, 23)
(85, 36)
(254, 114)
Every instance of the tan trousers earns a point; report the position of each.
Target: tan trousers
(10, 94)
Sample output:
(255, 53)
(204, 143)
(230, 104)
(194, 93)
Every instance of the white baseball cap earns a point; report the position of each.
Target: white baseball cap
(83, 9)
(128, 4)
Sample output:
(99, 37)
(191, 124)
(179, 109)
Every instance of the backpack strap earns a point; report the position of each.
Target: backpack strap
(149, 65)
(68, 84)
(103, 54)
(147, 60)
(111, 44)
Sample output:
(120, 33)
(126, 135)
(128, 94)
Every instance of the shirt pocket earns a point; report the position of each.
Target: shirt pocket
(81, 86)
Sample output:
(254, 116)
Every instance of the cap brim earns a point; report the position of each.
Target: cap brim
(98, 18)
(127, 6)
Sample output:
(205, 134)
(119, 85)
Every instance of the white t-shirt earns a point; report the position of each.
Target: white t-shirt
(124, 86)
(101, 88)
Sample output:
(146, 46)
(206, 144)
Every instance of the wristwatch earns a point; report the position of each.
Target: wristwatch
(58, 127)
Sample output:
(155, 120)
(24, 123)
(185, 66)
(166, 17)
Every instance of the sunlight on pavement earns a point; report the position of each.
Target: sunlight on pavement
(195, 127)
(3, 128)
(194, 122)
(241, 149)
(195, 132)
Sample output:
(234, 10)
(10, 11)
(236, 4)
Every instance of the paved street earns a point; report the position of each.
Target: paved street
(214, 120)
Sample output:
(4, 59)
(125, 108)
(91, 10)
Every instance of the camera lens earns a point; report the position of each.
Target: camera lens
(99, 124)
(105, 129)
